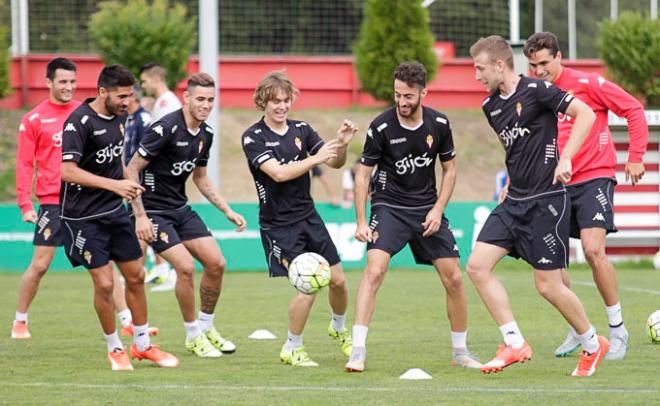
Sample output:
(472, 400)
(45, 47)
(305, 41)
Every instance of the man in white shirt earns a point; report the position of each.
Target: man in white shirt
(153, 79)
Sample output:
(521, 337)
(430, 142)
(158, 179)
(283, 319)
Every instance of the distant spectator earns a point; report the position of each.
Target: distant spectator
(317, 173)
(153, 78)
(137, 124)
(501, 180)
(348, 185)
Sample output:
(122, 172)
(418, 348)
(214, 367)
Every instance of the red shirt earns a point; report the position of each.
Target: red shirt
(596, 157)
(40, 141)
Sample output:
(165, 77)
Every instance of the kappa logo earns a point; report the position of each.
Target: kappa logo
(182, 143)
(158, 130)
(598, 217)
(70, 127)
(544, 260)
(397, 140)
(247, 140)
(495, 112)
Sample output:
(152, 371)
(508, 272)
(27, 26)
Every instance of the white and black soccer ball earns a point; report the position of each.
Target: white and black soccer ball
(309, 273)
(653, 327)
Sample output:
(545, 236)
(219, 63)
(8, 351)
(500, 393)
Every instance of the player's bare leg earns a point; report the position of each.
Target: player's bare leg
(293, 352)
(42, 257)
(365, 303)
(208, 253)
(184, 264)
(338, 299)
(450, 274)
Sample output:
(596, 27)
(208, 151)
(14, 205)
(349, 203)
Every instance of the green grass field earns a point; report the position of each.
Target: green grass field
(64, 362)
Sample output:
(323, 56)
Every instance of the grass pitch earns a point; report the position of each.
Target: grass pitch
(64, 362)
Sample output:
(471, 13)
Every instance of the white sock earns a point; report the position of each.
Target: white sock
(512, 335)
(338, 322)
(113, 342)
(293, 341)
(141, 336)
(589, 340)
(192, 330)
(21, 316)
(360, 336)
(205, 320)
(125, 317)
(614, 317)
(459, 340)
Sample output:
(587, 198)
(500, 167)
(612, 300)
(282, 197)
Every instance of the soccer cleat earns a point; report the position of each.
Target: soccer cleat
(155, 355)
(225, 346)
(618, 346)
(202, 347)
(128, 331)
(297, 358)
(151, 276)
(344, 339)
(465, 360)
(167, 283)
(19, 330)
(507, 355)
(589, 362)
(569, 346)
(119, 360)
(356, 361)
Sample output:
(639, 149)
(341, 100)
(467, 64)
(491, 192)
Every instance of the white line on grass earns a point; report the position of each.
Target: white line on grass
(156, 387)
(637, 290)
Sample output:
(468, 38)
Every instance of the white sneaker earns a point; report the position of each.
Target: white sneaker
(465, 360)
(569, 346)
(356, 361)
(168, 285)
(618, 346)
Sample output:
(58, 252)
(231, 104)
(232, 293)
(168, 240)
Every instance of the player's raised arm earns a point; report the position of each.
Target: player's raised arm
(584, 119)
(283, 173)
(345, 134)
(206, 188)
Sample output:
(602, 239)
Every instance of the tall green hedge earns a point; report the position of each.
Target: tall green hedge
(392, 31)
(134, 32)
(630, 47)
(5, 89)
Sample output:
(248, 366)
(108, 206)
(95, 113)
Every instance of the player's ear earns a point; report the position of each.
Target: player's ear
(424, 92)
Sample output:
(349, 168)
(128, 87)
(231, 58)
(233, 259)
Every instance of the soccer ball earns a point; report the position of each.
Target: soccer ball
(653, 327)
(309, 273)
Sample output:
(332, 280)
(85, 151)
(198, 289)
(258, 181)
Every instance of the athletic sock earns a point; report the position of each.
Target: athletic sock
(141, 336)
(360, 336)
(589, 340)
(21, 316)
(293, 341)
(125, 317)
(512, 335)
(192, 330)
(615, 319)
(459, 341)
(113, 342)
(338, 322)
(206, 321)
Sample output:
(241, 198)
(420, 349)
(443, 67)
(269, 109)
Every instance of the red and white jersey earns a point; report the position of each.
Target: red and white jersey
(165, 104)
(597, 156)
(40, 142)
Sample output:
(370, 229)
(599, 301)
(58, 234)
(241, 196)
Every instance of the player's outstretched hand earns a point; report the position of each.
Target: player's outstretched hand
(236, 219)
(346, 132)
(327, 151)
(563, 171)
(363, 233)
(144, 229)
(432, 222)
(30, 217)
(634, 172)
(128, 189)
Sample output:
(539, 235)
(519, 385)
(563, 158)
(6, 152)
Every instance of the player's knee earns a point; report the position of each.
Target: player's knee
(186, 271)
(104, 287)
(338, 281)
(215, 268)
(453, 281)
(594, 252)
(135, 279)
(475, 270)
(38, 268)
(547, 289)
(375, 274)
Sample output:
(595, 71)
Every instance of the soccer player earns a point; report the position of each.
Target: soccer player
(591, 189)
(406, 207)
(98, 228)
(153, 79)
(280, 153)
(173, 148)
(532, 222)
(40, 142)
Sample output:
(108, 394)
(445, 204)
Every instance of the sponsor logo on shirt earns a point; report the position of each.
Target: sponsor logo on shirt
(508, 136)
(410, 163)
(183, 166)
(100, 132)
(272, 144)
(182, 143)
(397, 140)
(57, 139)
(495, 112)
(109, 153)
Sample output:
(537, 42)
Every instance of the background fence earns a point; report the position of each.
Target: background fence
(323, 27)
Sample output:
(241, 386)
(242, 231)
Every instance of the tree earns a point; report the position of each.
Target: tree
(5, 89)
(392, 31)
(630, 47)
(134, 32)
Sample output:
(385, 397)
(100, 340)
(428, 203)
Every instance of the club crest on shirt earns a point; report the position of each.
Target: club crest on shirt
(285, 263)
(121, 128)
(164, 237)
(374, 236)
(200, 146)
(297, 142)
(429, 140)
(88, 256)
(47, 233)
(518, 108)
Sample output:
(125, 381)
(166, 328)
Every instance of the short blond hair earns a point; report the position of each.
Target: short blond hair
(268, 86)
(495, 47)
